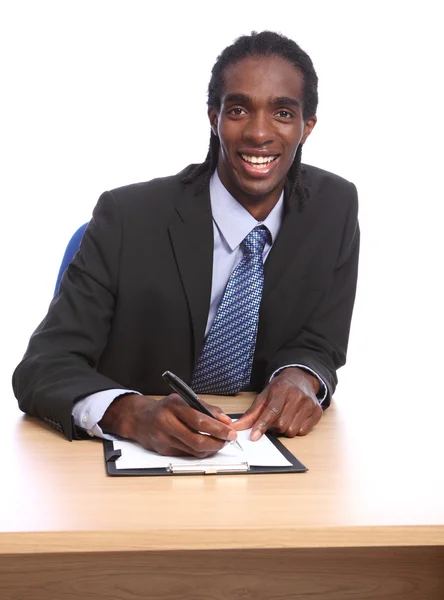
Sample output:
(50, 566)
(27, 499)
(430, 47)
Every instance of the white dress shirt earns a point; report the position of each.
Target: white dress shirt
(231, 224)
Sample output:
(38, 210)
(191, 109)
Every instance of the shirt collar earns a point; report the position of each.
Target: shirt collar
(233, 220)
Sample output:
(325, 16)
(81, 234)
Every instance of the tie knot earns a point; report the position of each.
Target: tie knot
(255, 241)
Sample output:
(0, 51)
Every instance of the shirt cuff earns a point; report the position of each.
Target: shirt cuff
(322, 394)
(88, 412)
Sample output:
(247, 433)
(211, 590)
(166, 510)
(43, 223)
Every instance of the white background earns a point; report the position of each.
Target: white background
(97, 94)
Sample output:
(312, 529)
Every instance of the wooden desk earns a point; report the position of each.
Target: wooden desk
(366, 521)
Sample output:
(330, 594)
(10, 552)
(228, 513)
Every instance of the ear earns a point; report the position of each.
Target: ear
(213, 117)
(308, 128)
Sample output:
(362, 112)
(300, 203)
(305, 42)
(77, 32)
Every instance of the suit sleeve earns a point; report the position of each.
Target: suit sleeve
(60, 363)
(322, 343)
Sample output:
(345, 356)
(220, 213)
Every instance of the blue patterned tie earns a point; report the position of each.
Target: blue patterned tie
(224, 366)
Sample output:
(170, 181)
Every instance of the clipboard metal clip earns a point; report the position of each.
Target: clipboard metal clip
(111, 454)
(208, 469)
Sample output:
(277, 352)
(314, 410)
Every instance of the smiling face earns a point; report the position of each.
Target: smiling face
(260, 126)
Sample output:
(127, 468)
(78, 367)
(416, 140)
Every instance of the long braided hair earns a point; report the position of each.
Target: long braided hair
(266, 43)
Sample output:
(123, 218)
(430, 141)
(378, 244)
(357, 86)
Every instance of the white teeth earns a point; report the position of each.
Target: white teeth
(258, 159)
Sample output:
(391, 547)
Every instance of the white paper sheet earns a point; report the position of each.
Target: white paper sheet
(262, 453)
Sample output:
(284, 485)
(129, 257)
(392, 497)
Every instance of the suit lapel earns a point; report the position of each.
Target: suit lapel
(192, 241)
(286, 256)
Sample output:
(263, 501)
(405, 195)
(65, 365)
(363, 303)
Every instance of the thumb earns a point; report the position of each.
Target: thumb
(217, 412)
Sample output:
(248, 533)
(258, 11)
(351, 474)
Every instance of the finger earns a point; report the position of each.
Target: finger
(307, 412)
(217, 412)
(163, 438)
(166, 449)
(200, 422)
(310, 423)
(251, 415)
(291, 415)
(174, 447)
(181, 437)
(298, 408)
(268, 416)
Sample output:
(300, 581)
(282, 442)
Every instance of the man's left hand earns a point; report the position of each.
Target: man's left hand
(288, 406)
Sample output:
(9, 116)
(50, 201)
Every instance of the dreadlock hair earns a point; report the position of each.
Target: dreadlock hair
(266, 43)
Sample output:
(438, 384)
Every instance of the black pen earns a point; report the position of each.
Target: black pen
(187, 394)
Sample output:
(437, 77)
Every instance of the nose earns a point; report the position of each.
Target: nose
(258, 129)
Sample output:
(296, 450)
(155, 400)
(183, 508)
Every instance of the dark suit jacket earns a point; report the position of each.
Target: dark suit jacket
(134, 301)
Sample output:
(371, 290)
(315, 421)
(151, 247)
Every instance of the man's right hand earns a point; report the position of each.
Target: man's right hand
(168, 426)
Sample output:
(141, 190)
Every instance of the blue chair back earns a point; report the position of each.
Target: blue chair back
(71, 249)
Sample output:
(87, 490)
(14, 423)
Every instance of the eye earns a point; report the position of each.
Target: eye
(236, 111)
(284, 114)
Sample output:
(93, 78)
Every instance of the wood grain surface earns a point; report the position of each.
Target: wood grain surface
(336, 574)
(366, 521)
(362, 489)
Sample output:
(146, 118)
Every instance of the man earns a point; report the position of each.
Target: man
(239, 273)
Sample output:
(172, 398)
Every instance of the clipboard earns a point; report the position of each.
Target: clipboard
(112, 454)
